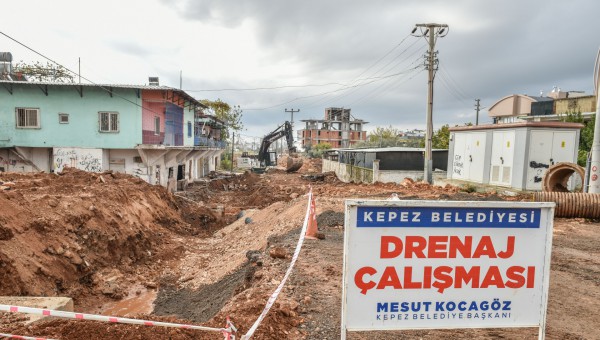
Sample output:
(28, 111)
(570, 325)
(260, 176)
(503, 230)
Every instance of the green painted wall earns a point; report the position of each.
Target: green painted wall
(83, 127)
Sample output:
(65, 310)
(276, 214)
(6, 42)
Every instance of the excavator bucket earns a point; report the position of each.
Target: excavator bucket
(293, 164)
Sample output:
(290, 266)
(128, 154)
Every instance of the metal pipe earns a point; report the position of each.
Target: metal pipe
(557, 176)
(572, 204)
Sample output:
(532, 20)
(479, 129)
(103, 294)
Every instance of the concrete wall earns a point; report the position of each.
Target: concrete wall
(128, 161)
(87, 159)
(82, 130)
(387, 176)
(36, 159)
(348, 173)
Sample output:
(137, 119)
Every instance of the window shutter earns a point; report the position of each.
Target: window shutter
(114, 122)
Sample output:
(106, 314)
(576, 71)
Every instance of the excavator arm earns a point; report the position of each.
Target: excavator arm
(284, 130)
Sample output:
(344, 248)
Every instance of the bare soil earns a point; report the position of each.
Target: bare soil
(222, 248)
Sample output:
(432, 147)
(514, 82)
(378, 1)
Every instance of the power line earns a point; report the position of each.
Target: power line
(315, 103)
(377, 92)
(378, 60)
(406, 71)
(376, 79)
(266, 88)
(455, 83)
(75, 73)
(389, 81)
(452, 90)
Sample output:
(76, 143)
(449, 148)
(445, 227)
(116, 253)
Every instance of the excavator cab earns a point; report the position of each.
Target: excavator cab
(294, 163)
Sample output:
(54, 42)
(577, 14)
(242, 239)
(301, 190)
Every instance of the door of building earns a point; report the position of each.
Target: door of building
(545, 149)
(502, 157)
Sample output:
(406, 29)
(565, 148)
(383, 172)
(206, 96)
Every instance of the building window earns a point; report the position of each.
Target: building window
(28, 118)
(157, 126)
(189, 129)
(63, 118)
(109, 121)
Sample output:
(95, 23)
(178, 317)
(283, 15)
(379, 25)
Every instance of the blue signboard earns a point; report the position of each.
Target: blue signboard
(447, 217)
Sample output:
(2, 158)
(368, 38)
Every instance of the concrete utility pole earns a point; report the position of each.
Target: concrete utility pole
(292, 111)
(477, 108)
(594, 181)
(292, 121)
(431, 32)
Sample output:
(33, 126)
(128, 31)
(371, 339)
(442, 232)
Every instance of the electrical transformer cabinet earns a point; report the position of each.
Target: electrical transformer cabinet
(515, 155)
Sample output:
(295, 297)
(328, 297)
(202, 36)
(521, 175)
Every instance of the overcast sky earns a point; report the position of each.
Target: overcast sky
(319, 53)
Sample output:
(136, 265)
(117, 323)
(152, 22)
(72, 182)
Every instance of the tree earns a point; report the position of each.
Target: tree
(586, 136)
(383, 137)
(317, 150)
(441, 138)
(40, 72)
(380, 134)
(230, 115)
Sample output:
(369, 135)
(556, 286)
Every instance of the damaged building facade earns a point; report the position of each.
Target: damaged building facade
(157, 133)
(338, 128)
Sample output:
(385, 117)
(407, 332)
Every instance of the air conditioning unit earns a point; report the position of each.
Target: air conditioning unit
(153, 81)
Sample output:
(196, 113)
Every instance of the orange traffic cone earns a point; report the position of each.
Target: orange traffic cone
(312, 228)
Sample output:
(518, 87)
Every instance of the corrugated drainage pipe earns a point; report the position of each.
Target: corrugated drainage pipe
(572, 204)
(557, 176)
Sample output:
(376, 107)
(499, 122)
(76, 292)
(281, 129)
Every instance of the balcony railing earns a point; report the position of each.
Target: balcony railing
(209, 142)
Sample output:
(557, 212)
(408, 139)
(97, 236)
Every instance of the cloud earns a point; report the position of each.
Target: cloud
(130, 47)
(493, 48)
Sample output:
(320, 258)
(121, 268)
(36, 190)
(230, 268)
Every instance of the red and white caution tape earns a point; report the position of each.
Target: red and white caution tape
(231, 328)
(275, 294)
(104, 318)
(12, 336)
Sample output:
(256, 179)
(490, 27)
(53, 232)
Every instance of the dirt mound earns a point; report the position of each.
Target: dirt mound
(84, 235)
(330, 218)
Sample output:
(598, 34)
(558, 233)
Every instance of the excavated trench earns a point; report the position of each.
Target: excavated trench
(202, 304)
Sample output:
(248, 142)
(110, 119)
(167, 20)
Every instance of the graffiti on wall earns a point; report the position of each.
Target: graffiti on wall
(8, 164)
(539, 169)
(83, 159)
(457, 165)
(141, 171)
(7, 161)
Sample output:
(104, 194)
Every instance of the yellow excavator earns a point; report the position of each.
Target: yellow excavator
(294, 163)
